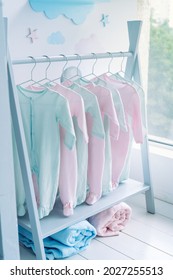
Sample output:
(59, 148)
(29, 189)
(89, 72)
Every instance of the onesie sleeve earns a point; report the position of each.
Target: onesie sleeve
(137, 125)
(81, 118)
(119, 109)
(65, 120)
(110, 111)
(97, 123)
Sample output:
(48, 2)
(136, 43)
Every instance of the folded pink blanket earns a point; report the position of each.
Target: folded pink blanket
(111, 221)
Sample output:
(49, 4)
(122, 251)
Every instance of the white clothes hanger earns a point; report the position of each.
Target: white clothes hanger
(55, 81)
(45, 80)
(121, 75)
(92, 75)
(31, 80)
(73, 72)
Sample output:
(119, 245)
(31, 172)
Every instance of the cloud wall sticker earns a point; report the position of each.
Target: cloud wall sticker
(56, 38)
(76, 10)
(87, 45)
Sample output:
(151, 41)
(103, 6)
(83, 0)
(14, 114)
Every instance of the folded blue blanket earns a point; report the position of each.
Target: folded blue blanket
(64, 243)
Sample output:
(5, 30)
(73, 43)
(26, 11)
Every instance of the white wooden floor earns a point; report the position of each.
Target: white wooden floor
(146, 237)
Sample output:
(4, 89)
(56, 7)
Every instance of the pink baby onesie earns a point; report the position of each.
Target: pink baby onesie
(68, 163)
(132, 108)
(111, 126)
(96, 145)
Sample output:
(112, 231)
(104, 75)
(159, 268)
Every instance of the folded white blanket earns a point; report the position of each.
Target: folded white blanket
(111, 221)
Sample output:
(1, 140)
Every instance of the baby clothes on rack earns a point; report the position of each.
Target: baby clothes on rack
(68, 163)
(95, 159)
(132, 107)
(129, 112)
(96, 166)
(111, 126)
(119, 107)
(42, 113)
(68, 176)
(126, 169)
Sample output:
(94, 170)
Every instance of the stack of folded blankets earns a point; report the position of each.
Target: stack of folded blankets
(76, 238)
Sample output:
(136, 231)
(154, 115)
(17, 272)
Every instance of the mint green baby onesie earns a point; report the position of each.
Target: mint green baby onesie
(42, 113)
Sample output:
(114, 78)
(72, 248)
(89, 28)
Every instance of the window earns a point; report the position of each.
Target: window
(160, 72)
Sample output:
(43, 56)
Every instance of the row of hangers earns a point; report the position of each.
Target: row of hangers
(120, 75)
(78, 72)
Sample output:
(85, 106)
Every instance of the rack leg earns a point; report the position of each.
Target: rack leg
(25, 166)
(133, 71)
(149, 198)
(9, 235)
(149, 195)
(10, 248)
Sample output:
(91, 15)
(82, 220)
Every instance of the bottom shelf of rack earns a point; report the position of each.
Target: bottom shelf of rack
(56, 220)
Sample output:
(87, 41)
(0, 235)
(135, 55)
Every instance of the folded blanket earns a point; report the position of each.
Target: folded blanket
(111, 221)
(64, 243)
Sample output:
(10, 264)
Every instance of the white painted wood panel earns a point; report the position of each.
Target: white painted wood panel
(27, 254)
(156, 221)
(135, 248)
(99, 251)
(151, 236)
(162, 208)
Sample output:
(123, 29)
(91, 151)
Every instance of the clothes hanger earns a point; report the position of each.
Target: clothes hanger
(55, 81)
(31, 80)
(73, 72)
(109, 65)
(108, 71)
(45, 80)
(85, 78)
(121, 75)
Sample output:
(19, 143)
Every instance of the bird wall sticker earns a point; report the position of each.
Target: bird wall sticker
(75, 10)
(32, 35)
(105, 20)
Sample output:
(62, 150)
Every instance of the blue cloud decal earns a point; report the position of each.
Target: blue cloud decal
(56, 38)
(76, 10)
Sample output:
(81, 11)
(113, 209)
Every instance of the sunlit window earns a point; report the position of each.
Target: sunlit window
(160, 71)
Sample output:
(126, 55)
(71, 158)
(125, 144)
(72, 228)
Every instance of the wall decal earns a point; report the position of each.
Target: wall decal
(87, 45)
(75, 10)
(32, 35)
(104, 19)
(56, 38)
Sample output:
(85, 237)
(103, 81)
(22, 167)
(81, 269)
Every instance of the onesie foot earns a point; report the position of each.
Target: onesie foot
(92, 198)
(67, 210)
(114, 185)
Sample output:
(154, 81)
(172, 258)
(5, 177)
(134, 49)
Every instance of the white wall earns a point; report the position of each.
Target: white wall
(88, 37)
(161, 162)
(111, 37)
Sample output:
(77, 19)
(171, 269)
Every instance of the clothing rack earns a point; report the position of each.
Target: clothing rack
(55, 221)
(9, 248)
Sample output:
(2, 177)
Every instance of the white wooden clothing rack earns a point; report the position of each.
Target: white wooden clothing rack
(9, 248)
(56, 221)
